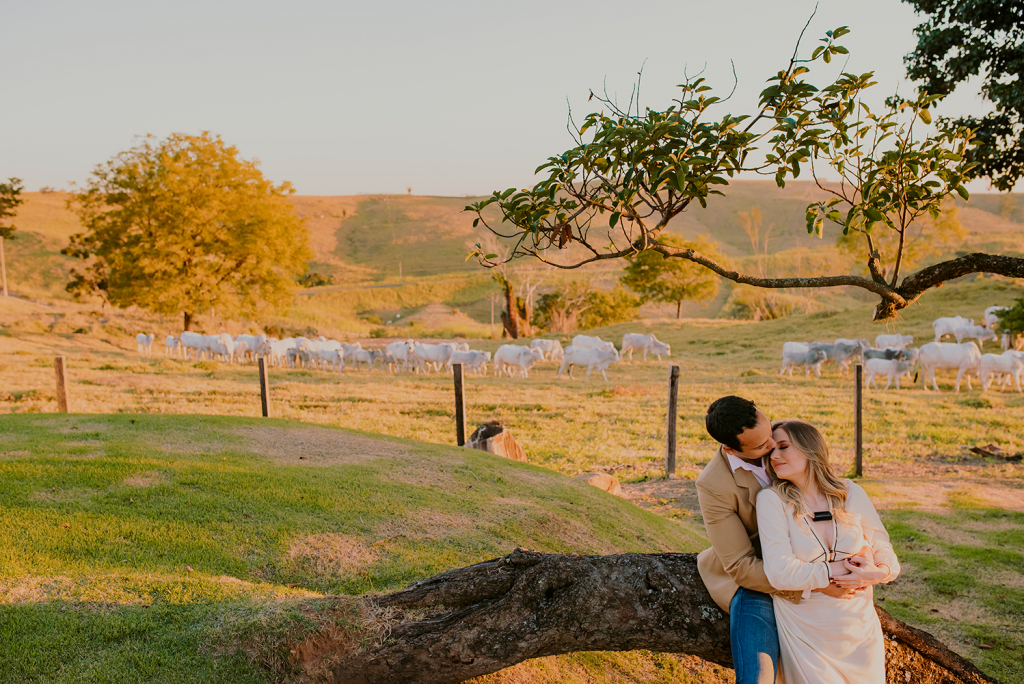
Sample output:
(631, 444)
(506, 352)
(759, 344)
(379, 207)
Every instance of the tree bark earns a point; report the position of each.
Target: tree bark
(679, 309)
(188, 321)
(489, 616)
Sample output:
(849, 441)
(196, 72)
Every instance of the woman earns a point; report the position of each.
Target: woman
(816, 529)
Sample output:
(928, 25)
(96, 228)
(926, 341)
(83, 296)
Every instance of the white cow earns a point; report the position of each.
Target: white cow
(863, 343)
(796, 347)
(222, 345)
(994, 365)
(588, 342)
(427, 355)
(974, 332)
(894, 341)
(518, 356)
(399, 351)
(171, 347)
(367, 356)
(144, 343)
(598, 359)
(648, 343)
(810, 360)
(194, 341)
(948, 325)
(992, 317)
(241, 349)
(472, 361)
(964, 358)
(552, 349)
(892, 368)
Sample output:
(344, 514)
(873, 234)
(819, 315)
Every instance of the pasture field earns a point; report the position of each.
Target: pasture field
(957, 520)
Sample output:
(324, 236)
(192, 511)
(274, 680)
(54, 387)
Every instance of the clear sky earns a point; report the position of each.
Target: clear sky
(446, 98)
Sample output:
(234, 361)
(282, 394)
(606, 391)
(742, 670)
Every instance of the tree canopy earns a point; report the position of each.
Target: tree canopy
(184, 225)
(632, 171)
(10, 200)
(657, 278)
(982, 38)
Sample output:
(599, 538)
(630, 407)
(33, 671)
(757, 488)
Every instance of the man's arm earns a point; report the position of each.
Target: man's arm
(732, 545)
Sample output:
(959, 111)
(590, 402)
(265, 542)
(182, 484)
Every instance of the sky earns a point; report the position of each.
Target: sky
(446, 98)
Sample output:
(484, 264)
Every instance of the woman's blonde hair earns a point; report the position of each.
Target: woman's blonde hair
(811, 443)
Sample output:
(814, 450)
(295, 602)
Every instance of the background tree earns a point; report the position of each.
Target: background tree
(985, 38)
(184, 225)
(10, 200)
(657, 278)
(1012, 320)
(616, 191)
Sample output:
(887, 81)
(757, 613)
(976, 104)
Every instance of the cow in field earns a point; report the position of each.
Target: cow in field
(647, 343)
(593, 359)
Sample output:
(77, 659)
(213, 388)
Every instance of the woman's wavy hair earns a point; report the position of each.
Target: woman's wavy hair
(811, 443)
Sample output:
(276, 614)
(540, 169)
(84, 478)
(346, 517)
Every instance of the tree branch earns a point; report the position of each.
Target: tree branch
(476, 620)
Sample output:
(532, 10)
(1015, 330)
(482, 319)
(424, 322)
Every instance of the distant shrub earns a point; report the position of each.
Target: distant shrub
(377, 333)
(373, 319)
(314, 279)
(757, 304)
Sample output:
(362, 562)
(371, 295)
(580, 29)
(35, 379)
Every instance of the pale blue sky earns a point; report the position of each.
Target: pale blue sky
(448, 98)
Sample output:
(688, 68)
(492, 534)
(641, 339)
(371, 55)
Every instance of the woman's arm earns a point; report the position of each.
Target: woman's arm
(784, 570)
(884, 558)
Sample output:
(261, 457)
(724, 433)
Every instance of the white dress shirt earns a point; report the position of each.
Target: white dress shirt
(758, 471)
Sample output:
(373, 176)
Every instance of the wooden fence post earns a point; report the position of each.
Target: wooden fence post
(264, 387)
(62, 385)
(670, 437)
(460, 405)
(859, 423)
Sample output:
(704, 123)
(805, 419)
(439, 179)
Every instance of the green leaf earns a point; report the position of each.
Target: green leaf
(926, 116)
(614, 219)
(490, 256)
(476, 222)
(962, 191)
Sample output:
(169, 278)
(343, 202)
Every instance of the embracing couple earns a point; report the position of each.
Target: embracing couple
(795, 553)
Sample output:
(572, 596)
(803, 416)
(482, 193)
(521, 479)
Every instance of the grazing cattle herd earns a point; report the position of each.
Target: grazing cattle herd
(892, 355)
(403, 356)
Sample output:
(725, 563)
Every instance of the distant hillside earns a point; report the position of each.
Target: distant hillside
(372, 238)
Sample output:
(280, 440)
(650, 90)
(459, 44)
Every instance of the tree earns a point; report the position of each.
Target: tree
(10, 200)
(578, 305)
(615, 192)
(961, 40)
(1011, 320)
(476, 620)
(657, 278)
(184, 225)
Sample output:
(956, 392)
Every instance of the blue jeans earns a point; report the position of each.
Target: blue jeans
(755, 639)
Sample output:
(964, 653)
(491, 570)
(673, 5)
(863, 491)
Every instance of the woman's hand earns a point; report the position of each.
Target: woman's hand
(862, 573)
(838, 569)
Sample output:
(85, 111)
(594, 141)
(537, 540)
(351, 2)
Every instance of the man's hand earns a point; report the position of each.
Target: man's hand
(840, 592)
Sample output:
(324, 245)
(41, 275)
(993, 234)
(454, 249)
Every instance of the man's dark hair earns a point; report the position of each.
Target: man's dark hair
(728, 417)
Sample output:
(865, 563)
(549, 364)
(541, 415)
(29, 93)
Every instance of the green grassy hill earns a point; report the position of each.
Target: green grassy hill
(168, 548)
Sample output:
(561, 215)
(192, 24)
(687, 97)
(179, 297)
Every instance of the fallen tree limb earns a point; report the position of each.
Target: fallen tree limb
(489, 616)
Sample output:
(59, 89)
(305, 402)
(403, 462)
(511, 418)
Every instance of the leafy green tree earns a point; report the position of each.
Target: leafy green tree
(184, 225)
(1012, 319)
(631, 172)
(608, 307)
(657, 278)
(981, 38)
(10, 200)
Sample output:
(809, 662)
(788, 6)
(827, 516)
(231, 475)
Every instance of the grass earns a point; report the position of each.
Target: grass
(145, 544)
(962, 505)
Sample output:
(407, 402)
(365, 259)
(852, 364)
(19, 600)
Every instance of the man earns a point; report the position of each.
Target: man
(732, 568)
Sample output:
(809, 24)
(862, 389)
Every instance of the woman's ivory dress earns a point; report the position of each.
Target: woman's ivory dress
(824, 640)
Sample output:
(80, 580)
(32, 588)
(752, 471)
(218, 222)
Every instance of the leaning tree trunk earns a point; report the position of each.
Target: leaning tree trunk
(187, 322)
(489, 616)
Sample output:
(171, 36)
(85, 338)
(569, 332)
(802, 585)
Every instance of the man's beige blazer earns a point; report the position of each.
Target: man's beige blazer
(727, 501)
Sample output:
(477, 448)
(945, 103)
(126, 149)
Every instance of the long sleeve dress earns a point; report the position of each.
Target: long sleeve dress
(824, 640)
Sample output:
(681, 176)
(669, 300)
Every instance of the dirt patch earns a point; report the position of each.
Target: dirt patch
(325, 447)
(427, 525)
(332, 555)
(149, 478)
(55, 495)
(939, 495)
(672, 498)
